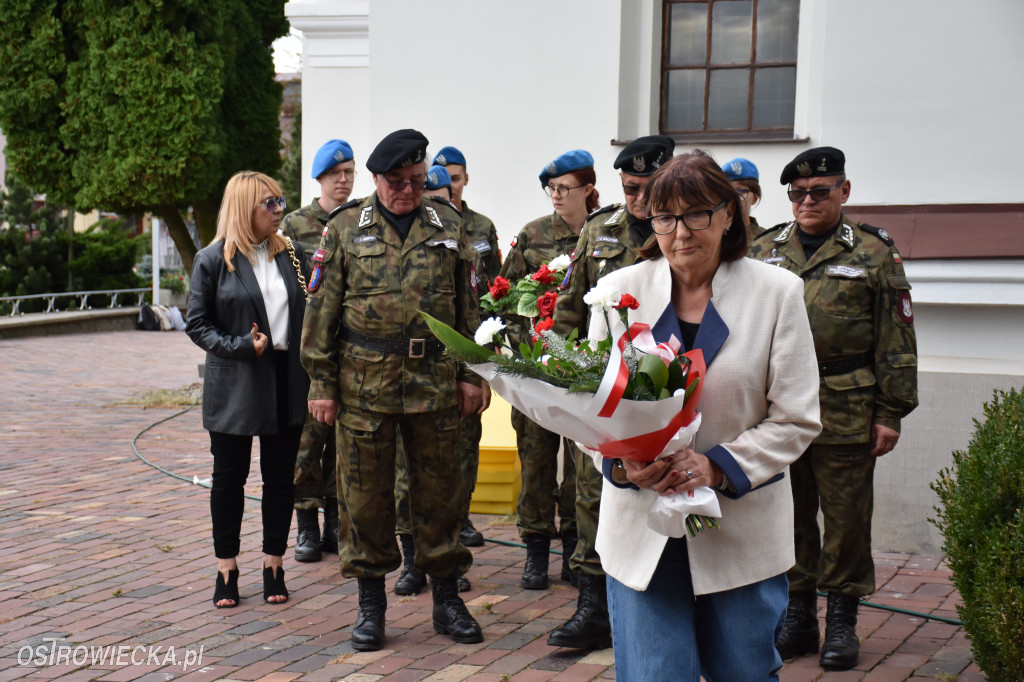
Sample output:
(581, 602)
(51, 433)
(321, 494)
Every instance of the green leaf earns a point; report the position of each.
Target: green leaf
(527, 306)
(459, 345)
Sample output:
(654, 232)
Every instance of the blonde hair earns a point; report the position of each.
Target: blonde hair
(234, 221)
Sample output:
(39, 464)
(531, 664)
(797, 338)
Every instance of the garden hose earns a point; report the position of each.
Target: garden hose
(506, 543)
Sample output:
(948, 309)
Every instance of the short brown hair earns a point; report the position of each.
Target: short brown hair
(695, 178)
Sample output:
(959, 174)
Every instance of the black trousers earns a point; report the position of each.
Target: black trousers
(232, 455)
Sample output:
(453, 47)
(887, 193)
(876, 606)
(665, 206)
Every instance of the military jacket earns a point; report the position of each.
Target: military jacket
(306, 225)
(858, 304)
(540, 241)
(606, 244)
(374, 283)
(483, 237)
(753, 230)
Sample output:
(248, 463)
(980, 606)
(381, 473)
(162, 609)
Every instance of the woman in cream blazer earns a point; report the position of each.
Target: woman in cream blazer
(710, 606)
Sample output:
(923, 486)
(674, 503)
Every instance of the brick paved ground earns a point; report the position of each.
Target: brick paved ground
(101, 550)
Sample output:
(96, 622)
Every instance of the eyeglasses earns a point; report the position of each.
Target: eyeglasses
(817, 194)
(272, 204)
(347, 173)
(560, 192)
(694, 220)
(632, 190)
(399, 185)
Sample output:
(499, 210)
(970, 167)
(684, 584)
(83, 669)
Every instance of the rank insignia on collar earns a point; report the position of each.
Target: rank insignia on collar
(434, 219)
(846, 235)
(615, 217)
(365, 216)
(784, 235)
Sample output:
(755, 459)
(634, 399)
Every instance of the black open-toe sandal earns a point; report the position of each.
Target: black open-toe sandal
(226, 590)
(273, 586)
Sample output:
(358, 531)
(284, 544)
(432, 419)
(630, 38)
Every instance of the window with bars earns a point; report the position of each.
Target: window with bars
(728, 68)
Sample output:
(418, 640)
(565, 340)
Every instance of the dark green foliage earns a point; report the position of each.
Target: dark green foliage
(104, 257)
(148, 105)
(33, 249)
(982, 521)
(290, 176)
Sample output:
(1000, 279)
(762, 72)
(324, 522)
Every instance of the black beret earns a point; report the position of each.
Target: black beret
(814, 163)
(644, 155)
(401, 148)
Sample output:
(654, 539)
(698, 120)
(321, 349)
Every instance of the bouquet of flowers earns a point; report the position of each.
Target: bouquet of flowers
(624, 396)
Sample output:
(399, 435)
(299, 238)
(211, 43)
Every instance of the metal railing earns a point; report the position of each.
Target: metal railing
(81, 298)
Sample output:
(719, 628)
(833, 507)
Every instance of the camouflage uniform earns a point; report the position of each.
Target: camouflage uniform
(373, 285)
(541, 241)
(753, 230)
(858, 303)
(315, 464)
(606, 244)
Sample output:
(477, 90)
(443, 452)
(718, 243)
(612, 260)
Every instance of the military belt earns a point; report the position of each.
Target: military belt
(843, 365)
(413, 348)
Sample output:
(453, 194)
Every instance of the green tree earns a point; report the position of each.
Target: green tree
(290, 176)
(143, 106)
(33, 247)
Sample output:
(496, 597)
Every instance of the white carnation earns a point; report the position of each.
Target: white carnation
(488, 329)
(604, 295)
(560, 263)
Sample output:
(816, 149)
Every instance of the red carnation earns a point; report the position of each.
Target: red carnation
(500, 288)
(544, 275)
(542, 326)
(627, 301)
(546, 304)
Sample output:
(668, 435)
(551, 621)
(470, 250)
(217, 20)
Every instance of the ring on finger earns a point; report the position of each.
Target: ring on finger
(652, 487)
(689, 474)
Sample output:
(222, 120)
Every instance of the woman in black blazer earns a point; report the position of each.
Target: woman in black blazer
(245, 310)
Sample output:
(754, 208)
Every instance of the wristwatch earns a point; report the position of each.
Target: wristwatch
(724, 485)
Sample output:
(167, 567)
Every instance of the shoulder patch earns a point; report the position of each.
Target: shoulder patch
(604, 209)
(878, 232)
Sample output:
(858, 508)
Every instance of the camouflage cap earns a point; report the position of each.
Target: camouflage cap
(644, 155)
(814, 163)
(401, 148)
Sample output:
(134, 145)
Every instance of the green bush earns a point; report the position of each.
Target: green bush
(982, 521)
(174, 280)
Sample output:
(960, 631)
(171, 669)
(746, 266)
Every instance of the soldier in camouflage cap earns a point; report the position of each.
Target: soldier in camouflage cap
(315, 482)
(858, 303)
(375, 368)
(611, 239)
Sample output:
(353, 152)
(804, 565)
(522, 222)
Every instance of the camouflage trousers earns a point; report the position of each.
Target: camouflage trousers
(367, 446)
(540, 492)
(470, 431)
(840, 478)
(588, 502)
(315, 465)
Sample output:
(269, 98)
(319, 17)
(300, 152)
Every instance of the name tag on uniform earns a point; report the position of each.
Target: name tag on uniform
(365, 238)
(452, 244)
(482, 247)
(846, 271)
(773, 259)
(610, 240)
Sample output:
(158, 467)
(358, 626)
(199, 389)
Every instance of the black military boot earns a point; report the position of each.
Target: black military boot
(450, 614)
(307, 541)
(535, 572)
(469, 535)
(329, 542)
(569, 541)
(589, 627)
(841, 648)
(368, 631)
(412, 580)
(800, 635)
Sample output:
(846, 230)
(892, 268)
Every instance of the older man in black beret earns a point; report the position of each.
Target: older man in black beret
(612, 238)
(376, 369)
(858, 303)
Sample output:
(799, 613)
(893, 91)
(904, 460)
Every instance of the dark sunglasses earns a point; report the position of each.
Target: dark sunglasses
(272, 203)
(399, 185)
(632, 190)
(817, 194)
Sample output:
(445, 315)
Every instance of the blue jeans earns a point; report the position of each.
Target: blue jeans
(665, 633)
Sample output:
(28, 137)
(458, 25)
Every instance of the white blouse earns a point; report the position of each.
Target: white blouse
(275, 295)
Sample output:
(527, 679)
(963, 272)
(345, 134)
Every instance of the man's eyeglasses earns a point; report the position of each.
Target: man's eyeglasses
(817, 194)
(399, 185)
(348, 174)
(632, 190)
(272, 203)
(694, 220)
(560, 192)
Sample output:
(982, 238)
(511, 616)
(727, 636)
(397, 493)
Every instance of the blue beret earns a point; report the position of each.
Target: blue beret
(438, 177)
(330, 155)
(577, 159)
(644, 155)
(813, 163)
(449, 155)
(399, 149)
(740, 169)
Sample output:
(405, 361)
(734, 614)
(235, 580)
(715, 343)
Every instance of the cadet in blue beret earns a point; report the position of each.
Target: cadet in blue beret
(743, 175)
(577, 159)
(437, 180)
(449, 155)
(334, 169)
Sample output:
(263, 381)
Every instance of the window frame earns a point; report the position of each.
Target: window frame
(747, 134)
